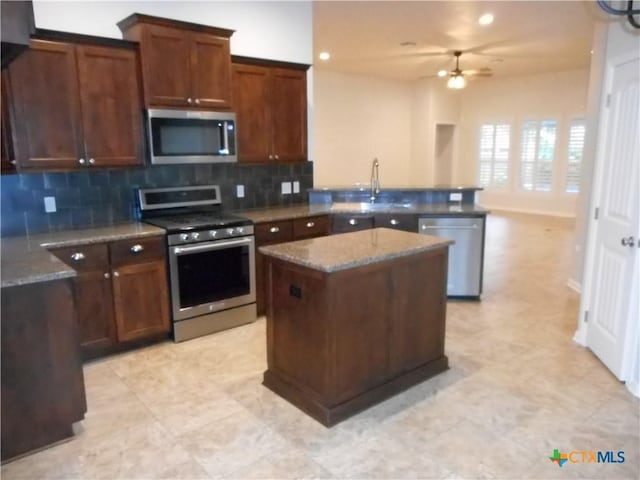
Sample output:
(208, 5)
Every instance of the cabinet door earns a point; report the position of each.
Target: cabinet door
(210, 71)
(289, 114)
(141, 301)
(268, 234)
(111, 108)
(94, 305)
(166, 66)
(251, 104)
(46, 107)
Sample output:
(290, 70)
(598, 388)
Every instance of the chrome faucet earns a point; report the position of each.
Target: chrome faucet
(375, 180)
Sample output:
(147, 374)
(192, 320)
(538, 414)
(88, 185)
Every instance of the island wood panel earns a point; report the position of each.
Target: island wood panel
(42, 381)
(340, 342)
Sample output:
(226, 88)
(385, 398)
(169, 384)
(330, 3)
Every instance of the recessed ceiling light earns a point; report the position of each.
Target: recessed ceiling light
(324, 56)
(442, 73)
(486, 19)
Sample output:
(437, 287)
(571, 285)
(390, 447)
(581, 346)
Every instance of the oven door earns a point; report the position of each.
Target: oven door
(212, 276)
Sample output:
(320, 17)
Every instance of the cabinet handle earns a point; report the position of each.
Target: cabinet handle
(353, 221)
(310, 224)
(137, 248)
(92, 161)
(77, 257)
(82, 161)
(107, 275)
(394, 221)
(116, 274)
(189, 100)
(197, 101)
(274, 229)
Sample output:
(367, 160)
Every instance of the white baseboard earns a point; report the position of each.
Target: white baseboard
(634, 388)
(574, 285)
(527, 211)
(580, 337)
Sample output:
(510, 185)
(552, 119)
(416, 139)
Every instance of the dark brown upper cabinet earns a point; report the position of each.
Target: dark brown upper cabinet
(183, 64)
(270, 101)
(76, 106)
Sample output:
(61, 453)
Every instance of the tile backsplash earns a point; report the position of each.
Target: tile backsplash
(104, 197)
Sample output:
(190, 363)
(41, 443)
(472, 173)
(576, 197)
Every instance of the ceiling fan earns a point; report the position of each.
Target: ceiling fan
(457, 77)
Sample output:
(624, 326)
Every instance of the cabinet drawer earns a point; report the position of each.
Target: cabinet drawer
(402, 221)
(273, 232)
(351, 223)
(84, 257)
(137, 250)
(310, 227)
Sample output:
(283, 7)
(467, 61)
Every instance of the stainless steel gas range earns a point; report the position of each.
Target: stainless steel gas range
(211, 257)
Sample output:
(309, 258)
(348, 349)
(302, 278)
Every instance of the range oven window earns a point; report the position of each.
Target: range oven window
(213, 275)
(178, 137)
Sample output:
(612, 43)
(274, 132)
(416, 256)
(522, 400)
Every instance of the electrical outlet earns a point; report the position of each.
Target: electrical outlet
(286, 188)
(50, 204)
(455, 197)
(296, 187)
(240, 191)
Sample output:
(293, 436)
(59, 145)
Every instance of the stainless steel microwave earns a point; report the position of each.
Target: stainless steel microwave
(191, 136)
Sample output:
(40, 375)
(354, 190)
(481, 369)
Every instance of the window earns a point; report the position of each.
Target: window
(575, 150)
(494, 155)
(537, 155)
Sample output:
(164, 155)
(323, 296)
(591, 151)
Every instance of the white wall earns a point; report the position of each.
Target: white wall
(359, 118)
(560, 96)
(273, 30)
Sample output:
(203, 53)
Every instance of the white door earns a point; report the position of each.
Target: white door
(616, 236)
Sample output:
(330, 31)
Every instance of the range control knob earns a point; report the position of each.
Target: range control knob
(230, 231)
(213, 233)
(195, 235)
(240, 230)
(184, 237)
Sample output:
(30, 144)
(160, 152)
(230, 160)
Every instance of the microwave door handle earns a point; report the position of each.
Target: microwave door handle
(225, 137)
(211, 246)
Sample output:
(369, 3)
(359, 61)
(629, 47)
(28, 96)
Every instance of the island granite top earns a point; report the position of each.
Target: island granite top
(355, 249)
(26, 259)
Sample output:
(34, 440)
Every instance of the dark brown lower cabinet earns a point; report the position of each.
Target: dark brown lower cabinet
(42, 382)
(339, 342)
(270, 233)
(121, 293)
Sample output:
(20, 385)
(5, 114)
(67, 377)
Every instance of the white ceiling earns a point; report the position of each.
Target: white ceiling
(526, 37)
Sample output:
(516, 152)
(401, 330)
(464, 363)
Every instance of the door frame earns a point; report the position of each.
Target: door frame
(603, 129)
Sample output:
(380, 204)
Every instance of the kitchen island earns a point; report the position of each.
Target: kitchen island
(354, 318)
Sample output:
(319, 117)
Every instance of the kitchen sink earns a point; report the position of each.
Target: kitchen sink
(370, 207)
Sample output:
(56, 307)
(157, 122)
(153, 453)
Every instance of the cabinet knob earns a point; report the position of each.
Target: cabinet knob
(137, 248)
(189, 100)
(270, 157)
(274, 229)
(197, 101)
(77, 257)
(394, 221)
(82, 161)
(310, 224)
(116, 274)
(92, 161)
(353, 221)
(107, 275)
(276, 157)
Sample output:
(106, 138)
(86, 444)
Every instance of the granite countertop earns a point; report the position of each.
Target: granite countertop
(274, 214)
(350, 250)
(367, 186)
(26, 259)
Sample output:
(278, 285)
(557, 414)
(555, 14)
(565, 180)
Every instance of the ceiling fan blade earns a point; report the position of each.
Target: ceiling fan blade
(479, 72)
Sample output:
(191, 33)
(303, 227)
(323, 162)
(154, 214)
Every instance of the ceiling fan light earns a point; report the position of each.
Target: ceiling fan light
(442, 73)
(456, 82)
(486, 19)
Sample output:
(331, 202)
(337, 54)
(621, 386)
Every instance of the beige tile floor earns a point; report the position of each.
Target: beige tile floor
(518, 387)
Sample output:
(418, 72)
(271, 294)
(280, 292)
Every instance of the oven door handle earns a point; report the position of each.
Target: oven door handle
(211, 246)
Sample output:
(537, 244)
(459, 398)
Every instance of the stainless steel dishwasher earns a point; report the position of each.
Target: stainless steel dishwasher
(464, 277)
